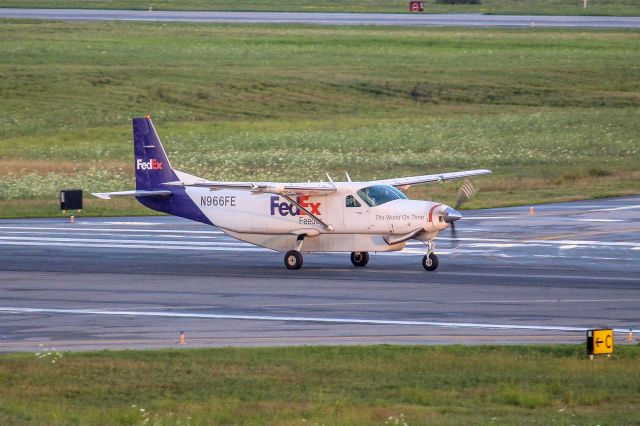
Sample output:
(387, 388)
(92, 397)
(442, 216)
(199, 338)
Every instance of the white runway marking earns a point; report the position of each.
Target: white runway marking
(149, 231)
(489, 217)
(616, 208)
(113, 234)
(485, 241)
(600, 220)
(544, 276)
(230, 243)
(133, 246)
(475, 242)
(83, 223)
(301, 319)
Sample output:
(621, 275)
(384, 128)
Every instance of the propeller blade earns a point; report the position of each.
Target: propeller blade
(467, 192)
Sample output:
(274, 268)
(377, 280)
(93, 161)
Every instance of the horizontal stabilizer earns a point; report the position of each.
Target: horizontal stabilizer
(108, 195)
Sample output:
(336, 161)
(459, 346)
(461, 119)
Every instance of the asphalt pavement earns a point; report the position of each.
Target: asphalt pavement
(385, 19)
(508, 276)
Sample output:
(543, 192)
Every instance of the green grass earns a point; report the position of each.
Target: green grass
(554, 113)
(323, 385)
(535, 7)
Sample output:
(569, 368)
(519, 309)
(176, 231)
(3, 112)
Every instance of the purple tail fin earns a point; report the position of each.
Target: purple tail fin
(151, 162)
(153, 169)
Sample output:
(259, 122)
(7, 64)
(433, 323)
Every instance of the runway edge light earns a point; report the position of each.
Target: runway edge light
(599, 342)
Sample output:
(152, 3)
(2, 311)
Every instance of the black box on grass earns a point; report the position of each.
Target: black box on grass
(71, 199)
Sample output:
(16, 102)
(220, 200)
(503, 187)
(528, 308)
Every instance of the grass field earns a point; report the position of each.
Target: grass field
(554, 113)
(528, 7)
(391, 385)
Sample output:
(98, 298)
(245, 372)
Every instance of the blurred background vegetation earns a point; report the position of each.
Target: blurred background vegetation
(553, 112)
(522, 7)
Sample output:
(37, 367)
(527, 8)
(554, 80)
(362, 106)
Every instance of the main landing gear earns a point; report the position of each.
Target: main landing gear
(359, 258)
(293, 259)
(430, 260)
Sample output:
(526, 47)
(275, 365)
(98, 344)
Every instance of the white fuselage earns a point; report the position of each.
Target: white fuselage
(274, 222)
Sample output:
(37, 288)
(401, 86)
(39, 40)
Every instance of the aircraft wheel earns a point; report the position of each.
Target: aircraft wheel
(430, 262)
(293, 259)
(359, 258)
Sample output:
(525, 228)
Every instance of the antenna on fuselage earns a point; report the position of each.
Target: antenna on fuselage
(348, 177)
(329, 177)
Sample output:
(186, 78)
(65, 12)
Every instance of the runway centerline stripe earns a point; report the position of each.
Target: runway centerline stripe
(301, 319)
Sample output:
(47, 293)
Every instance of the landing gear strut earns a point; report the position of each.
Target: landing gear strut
(293, 259)
(359, 258)
(430, 260)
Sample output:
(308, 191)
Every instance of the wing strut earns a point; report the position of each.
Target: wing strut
(293, 201)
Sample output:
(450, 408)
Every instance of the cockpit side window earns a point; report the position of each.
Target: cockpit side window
(351, 201)
(380, 194)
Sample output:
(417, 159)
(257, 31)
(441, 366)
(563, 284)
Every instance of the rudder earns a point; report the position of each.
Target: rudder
(151, 163)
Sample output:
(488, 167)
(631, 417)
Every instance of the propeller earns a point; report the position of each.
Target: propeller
(450, 216)
(452, 225)
(466, 193)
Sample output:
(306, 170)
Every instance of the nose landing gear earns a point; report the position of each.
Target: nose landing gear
(430, 260)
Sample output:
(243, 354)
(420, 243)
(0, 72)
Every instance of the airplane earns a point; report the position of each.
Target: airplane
(355, 217)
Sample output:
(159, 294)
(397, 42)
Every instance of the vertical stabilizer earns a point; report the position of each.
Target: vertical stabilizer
(151, 163)
(153, 169)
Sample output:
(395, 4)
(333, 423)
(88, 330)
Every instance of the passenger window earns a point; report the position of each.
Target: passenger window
(351, 201)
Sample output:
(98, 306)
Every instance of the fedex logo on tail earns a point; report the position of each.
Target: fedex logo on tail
(152, 164)
(290, 209)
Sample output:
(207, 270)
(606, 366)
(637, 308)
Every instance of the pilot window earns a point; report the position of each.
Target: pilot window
(380, 194)
(351, 201)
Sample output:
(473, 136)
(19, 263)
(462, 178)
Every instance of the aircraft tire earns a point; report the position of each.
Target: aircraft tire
(359, 258)
(430, 262)
(293, 259)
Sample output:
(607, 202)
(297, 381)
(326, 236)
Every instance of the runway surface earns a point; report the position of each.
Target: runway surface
(509, 277)
(402, 19)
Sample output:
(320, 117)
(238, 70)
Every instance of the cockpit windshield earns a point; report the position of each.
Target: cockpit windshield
(380, 194)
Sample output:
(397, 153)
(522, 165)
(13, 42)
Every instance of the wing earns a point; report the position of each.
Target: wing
(261, 187)
(108, 195)
(406, 182)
